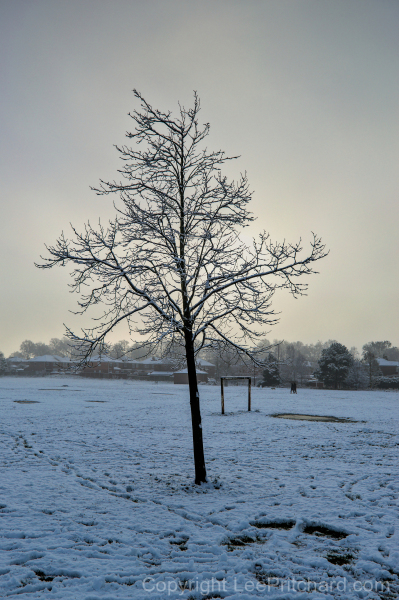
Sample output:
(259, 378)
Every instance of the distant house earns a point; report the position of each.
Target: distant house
(154, 368)
(46, 364)
(161, 376)
(151, 368)
(41, 365)
(98, 366)
(17, 365)
(388, 368)
(182, 376)
(153, 363)
(206, 366)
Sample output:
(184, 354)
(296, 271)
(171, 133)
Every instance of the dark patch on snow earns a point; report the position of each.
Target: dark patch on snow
(339, 559)
(213, 596)
(27, 401)
(273, 524)
(99, 401)
(57, 390)
(325, 531)
(237, 541)
(65, 574)
(42, 576)
(266, 577)
(181, 542)
(241, 540)
(353, 497)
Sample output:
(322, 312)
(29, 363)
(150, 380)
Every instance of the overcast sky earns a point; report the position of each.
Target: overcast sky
(305, 91)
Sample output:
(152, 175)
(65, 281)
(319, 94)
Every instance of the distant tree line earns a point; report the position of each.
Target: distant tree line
(65, 348)
(330, 362)
(56, 346)
(284, 362)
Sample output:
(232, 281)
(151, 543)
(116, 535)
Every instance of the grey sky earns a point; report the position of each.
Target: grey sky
(307, 92)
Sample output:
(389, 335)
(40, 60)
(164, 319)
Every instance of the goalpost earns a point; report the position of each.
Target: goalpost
(223, 379)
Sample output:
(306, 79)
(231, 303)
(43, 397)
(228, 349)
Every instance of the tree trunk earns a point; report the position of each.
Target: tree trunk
(199, 459)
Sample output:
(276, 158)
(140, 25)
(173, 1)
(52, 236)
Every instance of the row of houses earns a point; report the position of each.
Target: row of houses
(152, 368)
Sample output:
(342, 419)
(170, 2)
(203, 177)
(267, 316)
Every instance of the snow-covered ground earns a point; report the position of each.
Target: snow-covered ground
(98, 502)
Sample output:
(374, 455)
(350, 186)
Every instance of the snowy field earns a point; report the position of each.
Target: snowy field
(97, 497)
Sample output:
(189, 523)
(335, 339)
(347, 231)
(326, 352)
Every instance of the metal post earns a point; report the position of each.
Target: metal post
(222, 392)
(249, 393)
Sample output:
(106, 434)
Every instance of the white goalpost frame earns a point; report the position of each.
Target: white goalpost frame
(222, 380)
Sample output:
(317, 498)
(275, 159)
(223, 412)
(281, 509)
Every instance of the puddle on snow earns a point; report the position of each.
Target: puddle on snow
(323, 418)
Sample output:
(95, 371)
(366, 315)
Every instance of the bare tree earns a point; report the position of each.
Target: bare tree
(382, 350)
(173, 257)
(226, 360)
(29, 349)
(373, 368)
(61, 347)
(119, 349)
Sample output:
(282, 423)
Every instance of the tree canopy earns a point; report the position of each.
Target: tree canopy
(334, 365)
(382, 349)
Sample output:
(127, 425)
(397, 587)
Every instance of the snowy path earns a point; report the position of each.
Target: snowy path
(97, 500)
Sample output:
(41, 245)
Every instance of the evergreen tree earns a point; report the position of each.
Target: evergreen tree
(3, 364)
(334, 365)
(271, 373)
